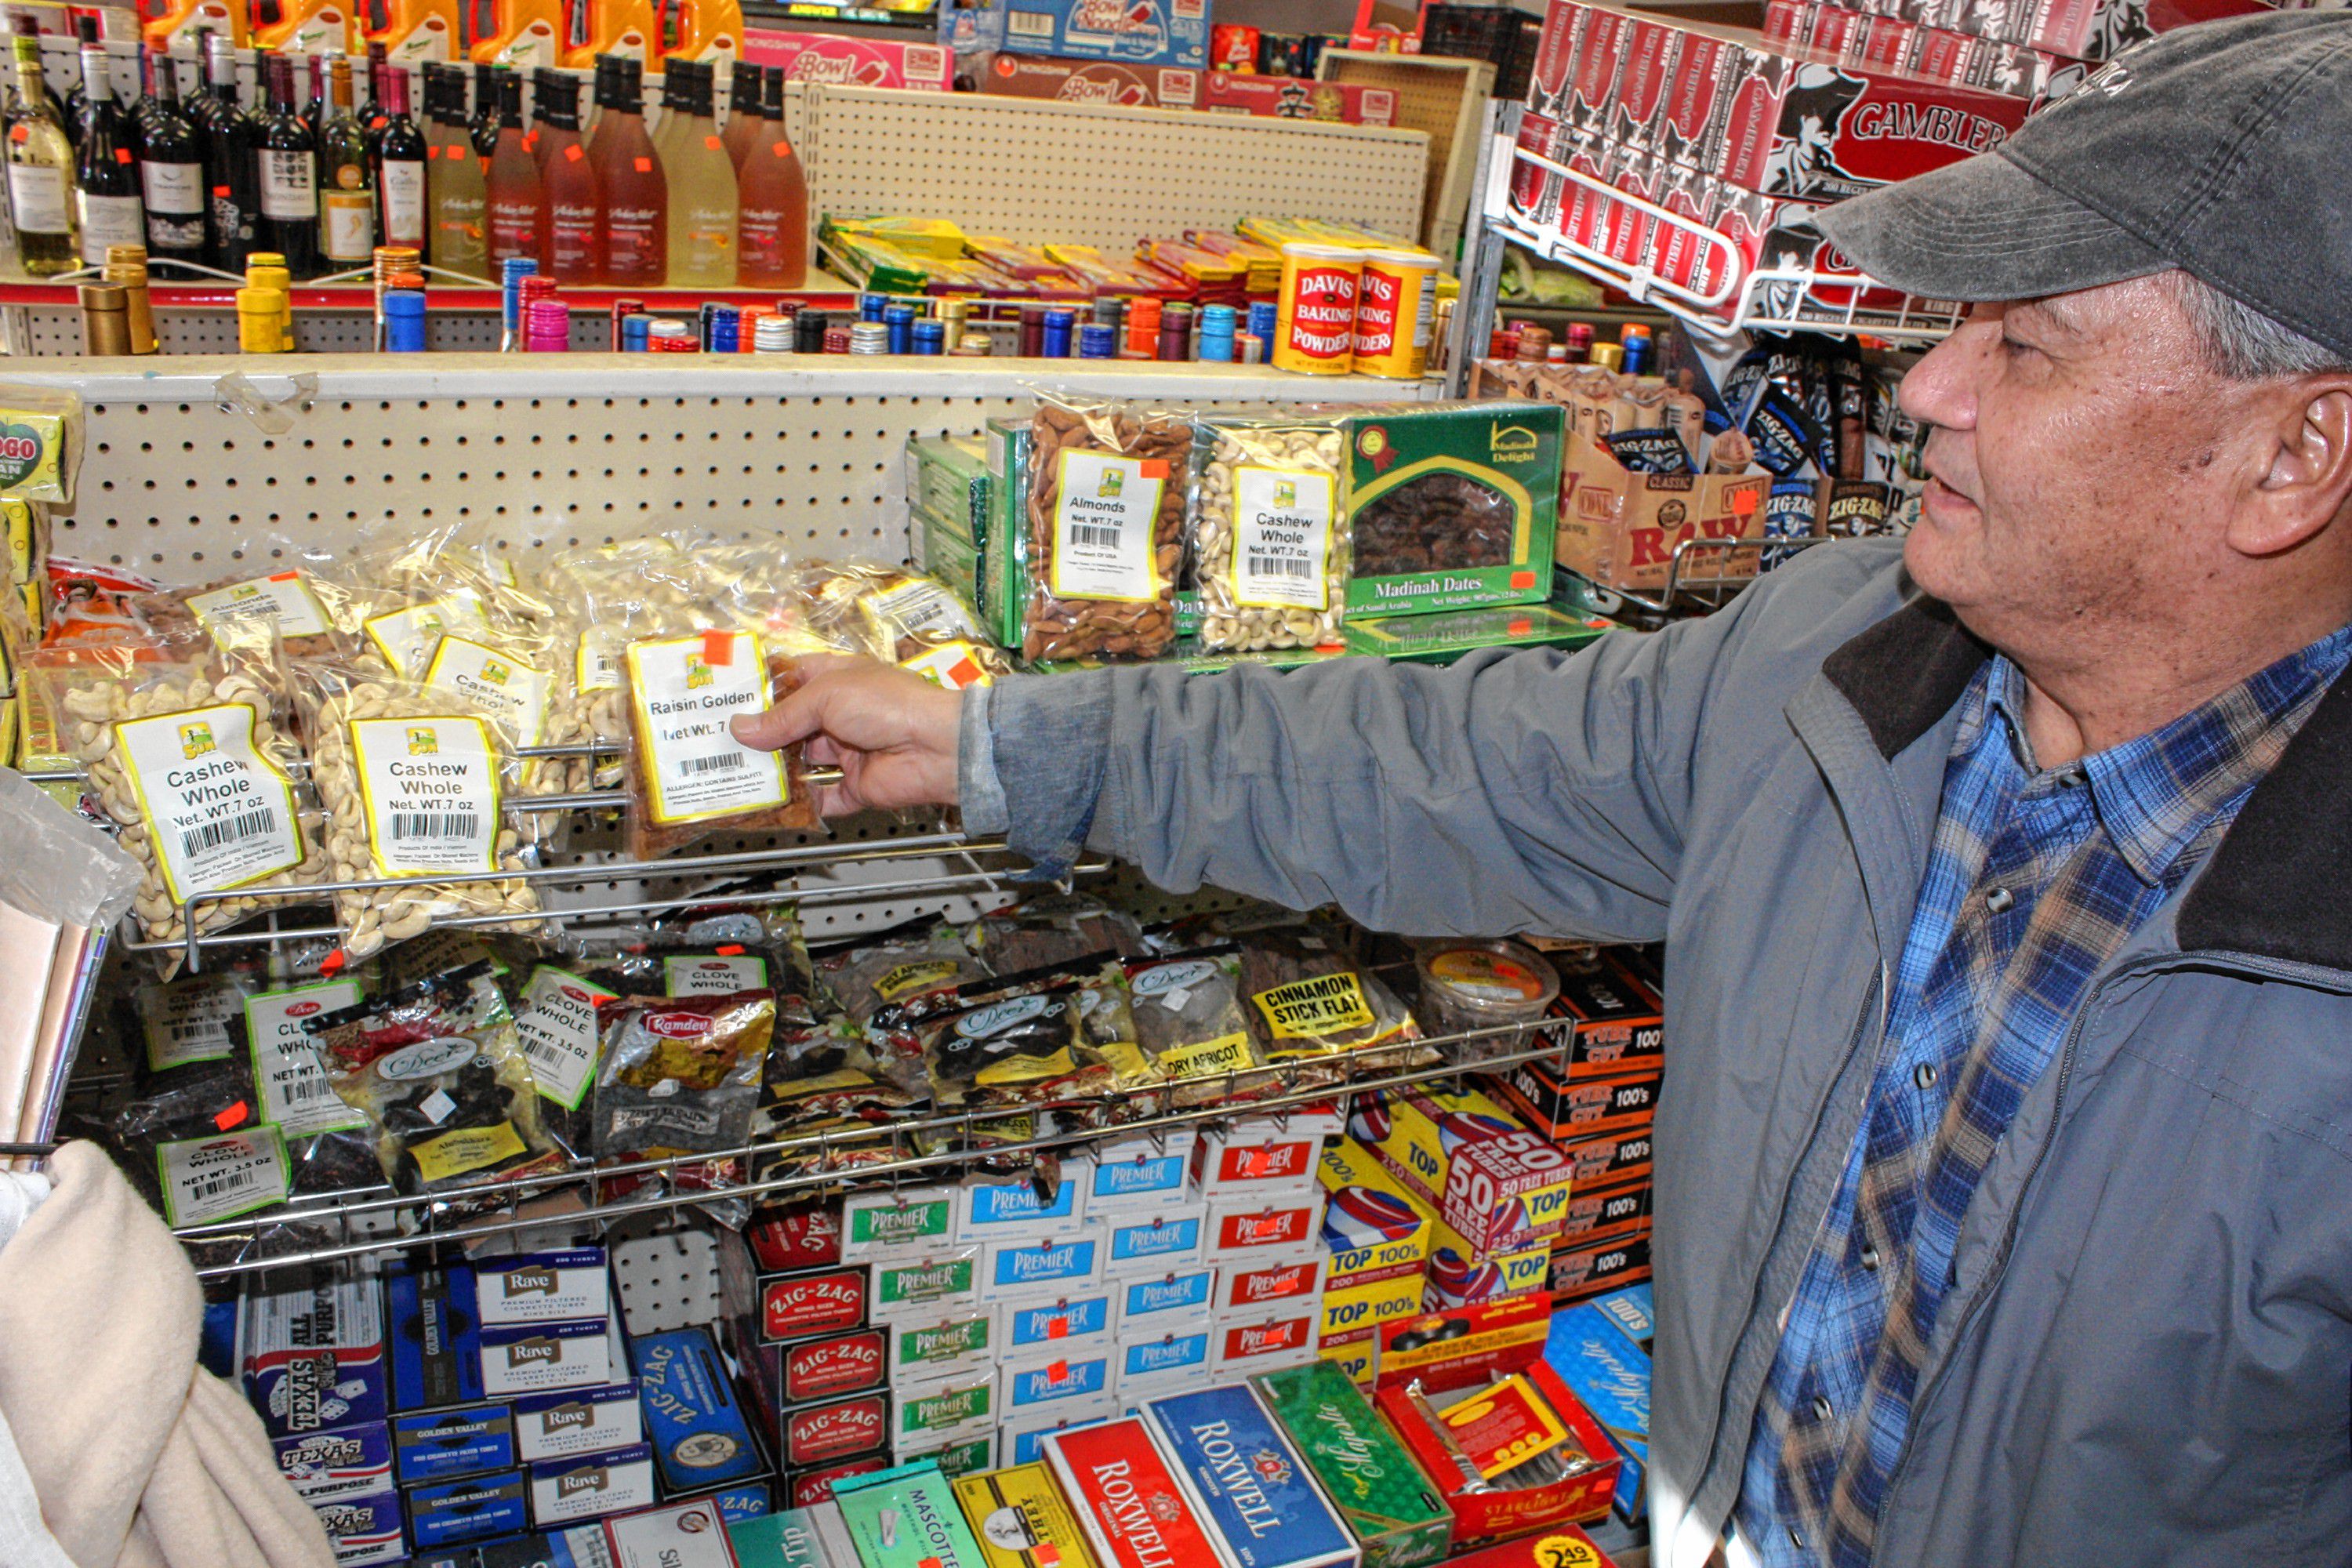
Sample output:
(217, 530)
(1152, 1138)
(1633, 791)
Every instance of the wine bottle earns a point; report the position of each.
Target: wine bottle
(346, 184)
(138, 114)
(314, 114)
(459, 240)
(400, 166)
(484, 126)
(289, 187)
(232, 138)
(575, 239)
(85, 35)
(373, 117)
(39, 158)
(105, 166)
(172, 173)
(775, 200)
(629, 179)
(742, 114)
(517, 200)
(702, 194)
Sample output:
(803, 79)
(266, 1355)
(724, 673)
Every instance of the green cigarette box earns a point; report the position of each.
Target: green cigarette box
(1452, 505)
(907, 1518)
(1395, 1512)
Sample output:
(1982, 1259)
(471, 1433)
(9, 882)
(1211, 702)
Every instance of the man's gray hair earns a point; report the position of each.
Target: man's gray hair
(2241, 342)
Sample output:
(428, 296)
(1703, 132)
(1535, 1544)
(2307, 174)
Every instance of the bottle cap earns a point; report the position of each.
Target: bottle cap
(869, 338)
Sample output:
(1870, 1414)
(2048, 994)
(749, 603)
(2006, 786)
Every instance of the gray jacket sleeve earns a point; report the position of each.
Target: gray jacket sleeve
(1514, 791)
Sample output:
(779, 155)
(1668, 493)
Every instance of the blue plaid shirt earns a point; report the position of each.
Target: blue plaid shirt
(2035, 879)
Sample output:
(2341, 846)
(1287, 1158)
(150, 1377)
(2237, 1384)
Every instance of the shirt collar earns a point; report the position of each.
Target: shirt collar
(2157, 792)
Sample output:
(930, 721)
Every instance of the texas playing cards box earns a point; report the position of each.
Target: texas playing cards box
(1135, 1511)
(1249, 1482)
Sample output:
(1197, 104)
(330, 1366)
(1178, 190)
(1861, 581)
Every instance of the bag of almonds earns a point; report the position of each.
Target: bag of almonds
(1268, 536)
(1106, 534)
(186, 746)
(413, 782)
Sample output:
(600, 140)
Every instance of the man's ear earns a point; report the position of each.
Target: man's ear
(2309, 481)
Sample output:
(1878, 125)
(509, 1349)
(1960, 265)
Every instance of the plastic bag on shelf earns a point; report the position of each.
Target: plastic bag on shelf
(1009, 1051)
(435, 1069)
(920, 958)
(680, 1076)
(413, 782)
(686, 776)
(1053, 927)
(185, 743)
(1312, 1003)
(602, 597)
(41, 452)
(508, 670)
(295, 586)
(921, 621)
(1193, 1030)
(1105, 530)
(1268, 537)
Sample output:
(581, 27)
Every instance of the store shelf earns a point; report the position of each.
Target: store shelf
(1445, 97)
(374, 1221)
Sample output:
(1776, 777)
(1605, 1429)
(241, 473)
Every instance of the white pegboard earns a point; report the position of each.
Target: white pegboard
(549, 453)
(1099, 175)
(668, 1280)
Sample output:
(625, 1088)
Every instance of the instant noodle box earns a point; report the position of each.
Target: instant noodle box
(1248, 1482)
(1497, 1184)
(1392, 1509)
(1453, 505)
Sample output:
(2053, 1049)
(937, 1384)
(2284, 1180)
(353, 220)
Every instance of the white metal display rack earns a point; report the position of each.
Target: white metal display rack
(195, 466)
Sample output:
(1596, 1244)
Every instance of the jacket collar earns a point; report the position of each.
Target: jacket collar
(2276, 885)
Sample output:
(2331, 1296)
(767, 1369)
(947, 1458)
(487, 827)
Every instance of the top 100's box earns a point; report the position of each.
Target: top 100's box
(1496, 1183)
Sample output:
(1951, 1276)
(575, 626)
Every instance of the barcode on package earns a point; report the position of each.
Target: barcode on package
(1030, 25)
(206, 1179)
(424, 825)
(1279, 567)
(1094, 538)
(725, 762)
(213, 835)
(1281, 538)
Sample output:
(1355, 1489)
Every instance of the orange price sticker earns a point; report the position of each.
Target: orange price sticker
(1058, 1327)
(572, 154)
(1153, 468)
(718, 648)
(122, 154)
(782, 149)
(20, 132)
(1743, 501)
(644, 165)
(713, 143)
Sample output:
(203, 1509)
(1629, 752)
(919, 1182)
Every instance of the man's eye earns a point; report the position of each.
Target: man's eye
(2012, 348)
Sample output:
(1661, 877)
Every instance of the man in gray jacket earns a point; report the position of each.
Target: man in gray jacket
(2004, 1191)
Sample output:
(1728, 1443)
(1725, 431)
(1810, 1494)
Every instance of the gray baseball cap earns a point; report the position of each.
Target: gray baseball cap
(2224, 149)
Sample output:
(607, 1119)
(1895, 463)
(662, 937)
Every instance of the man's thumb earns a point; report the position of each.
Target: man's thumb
(796, 718)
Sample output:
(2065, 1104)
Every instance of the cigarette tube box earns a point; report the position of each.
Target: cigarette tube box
(349, 1461)
(591, 1485)
(1249, 1482)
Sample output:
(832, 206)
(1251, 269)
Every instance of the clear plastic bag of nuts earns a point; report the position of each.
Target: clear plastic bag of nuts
(1106, 534)
(186, 745)
(1268, 531)
(604, 597)
(413, 782)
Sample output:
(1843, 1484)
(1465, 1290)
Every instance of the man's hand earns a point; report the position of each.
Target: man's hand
(893, 733)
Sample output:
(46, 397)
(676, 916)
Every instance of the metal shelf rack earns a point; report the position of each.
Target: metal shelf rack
(370, 1221)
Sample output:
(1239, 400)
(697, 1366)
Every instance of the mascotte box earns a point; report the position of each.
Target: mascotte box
(314, 1359)
(907, 1518)
(1392, 1507)
(1249, 1482)
(1452, 505)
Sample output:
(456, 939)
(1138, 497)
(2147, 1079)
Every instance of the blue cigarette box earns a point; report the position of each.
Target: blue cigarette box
(1611, 1374)
(349, 1461)
(699, 1435)
(479, 1507)
(436, 1338)
(444, 1445)
(1251, 1484)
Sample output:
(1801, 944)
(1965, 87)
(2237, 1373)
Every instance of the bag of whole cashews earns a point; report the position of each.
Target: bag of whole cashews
(1268, 531)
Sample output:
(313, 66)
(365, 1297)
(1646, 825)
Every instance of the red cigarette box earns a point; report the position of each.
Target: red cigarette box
(815, 1302)
(1241, 1288)
(1593, 91)
(825, 1367)
(1610, 1159)
(1564, 1546)
(1645, 68)
(1130, 1504)
(800, 1235)
(1557, 47)
(832, 1430)
(850, 62)
(1595, 1216)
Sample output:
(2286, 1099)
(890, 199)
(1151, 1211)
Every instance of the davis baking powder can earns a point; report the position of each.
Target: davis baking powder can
(1395, 300)
(1315, 328)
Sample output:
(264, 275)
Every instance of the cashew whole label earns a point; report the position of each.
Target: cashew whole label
(1103, 517)
(1282, 528)
(406, 637)
(500, 686)
(217, 813)
(283, 596)
(429, 787)
(684, 690)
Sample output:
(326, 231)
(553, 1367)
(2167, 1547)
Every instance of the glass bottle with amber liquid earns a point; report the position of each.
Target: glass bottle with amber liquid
(629, 179)
(701, 180)
(575, 241)
(40, 167)
(346, 183)
(453, 193)
(743, 112)
(517, 200)
(773, 189)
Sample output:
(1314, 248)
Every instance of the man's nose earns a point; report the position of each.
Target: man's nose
(1941, 389)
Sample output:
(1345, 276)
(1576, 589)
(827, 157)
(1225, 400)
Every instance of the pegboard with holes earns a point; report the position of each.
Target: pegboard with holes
(1097, 174)
(180, 481)
(668, 1281)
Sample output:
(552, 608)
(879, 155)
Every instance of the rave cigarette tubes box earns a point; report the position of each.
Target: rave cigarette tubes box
(314, 1359)
(365, 1531)
(1021, 1520)
(840, 61)
(1248, 1232)
(876, 1225)
(444, 1445)
(1391, 1509)
(1494, 1181)
(543, 1288)
(1248, 1482)
(1374, 1228)
(577, 1421)
(544, 1358)
(700, 1437)
(907, 1518)
(571, 1491)
(1128, 1500)
(347, 1461)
